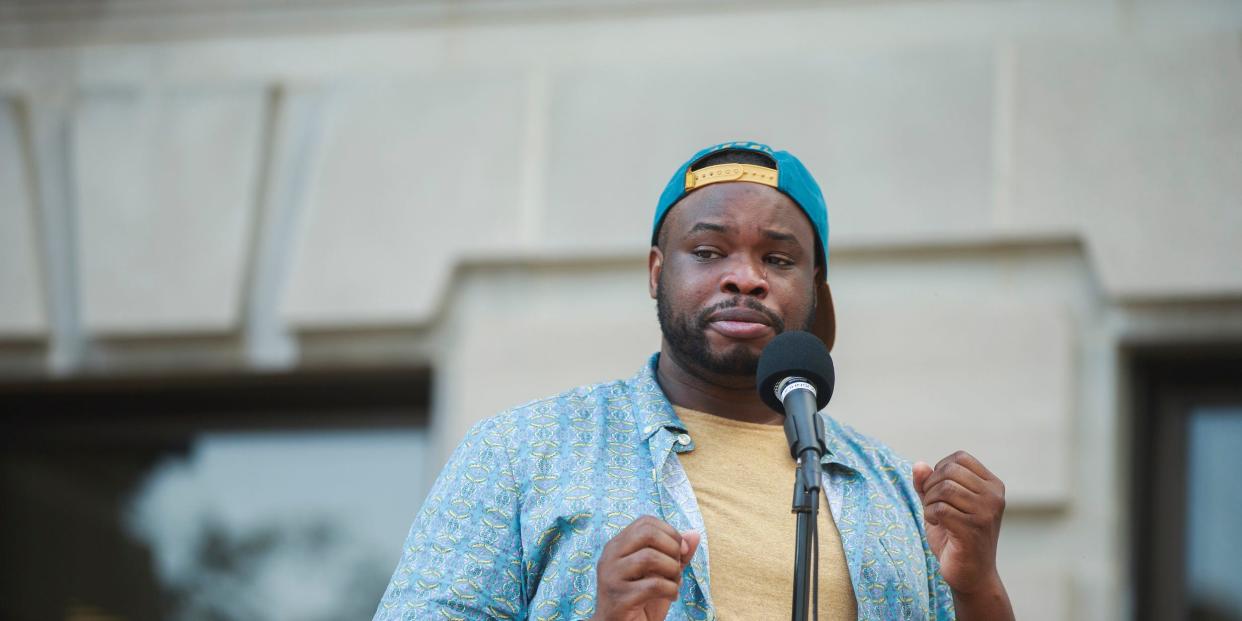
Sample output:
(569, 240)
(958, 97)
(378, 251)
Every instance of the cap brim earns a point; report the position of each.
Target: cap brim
(825, 326)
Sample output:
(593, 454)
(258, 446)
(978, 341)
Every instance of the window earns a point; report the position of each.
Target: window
(1186, 472)
(241, 497)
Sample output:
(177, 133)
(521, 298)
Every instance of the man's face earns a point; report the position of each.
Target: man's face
(737, 267)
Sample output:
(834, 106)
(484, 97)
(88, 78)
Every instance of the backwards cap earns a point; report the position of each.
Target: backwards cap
(788, 175)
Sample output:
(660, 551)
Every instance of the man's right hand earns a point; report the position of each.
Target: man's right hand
(639, 573)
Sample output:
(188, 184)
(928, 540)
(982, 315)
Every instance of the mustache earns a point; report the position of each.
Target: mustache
(775, 321)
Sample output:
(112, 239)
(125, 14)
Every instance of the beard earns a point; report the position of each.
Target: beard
(686, 334)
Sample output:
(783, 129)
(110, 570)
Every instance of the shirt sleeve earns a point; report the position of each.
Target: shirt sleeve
(941, 604)
(940, 596)
(463, 556)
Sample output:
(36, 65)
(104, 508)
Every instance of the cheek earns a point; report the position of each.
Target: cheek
(688, 303)
(796, 297)
(688, 286)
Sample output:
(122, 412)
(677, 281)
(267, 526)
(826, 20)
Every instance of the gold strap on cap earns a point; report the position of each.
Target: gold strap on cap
(730, 172)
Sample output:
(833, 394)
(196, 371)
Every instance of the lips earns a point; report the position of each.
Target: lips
(740, 323)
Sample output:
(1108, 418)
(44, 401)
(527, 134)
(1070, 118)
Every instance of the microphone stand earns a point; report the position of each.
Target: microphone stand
(807, 445)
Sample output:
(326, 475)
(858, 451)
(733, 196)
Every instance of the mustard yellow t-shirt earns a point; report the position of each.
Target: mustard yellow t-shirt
(743, 477)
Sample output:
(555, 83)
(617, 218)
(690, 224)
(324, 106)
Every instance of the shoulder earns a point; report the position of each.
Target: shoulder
(615, 401)
(564, 407)
(539, 428)
(860, 446)
(874, 459)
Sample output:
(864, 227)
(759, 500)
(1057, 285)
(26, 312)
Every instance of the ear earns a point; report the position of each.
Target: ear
(655, 263)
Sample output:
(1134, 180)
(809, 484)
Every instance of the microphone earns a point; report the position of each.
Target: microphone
(795, 377)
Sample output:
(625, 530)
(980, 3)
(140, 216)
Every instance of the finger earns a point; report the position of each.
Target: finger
(944, 514)
(921, 472)
(647, 590)
(953, 494)
(647, 532)
(648, 563)
(954, 471)
(969, 461)
(689, 543)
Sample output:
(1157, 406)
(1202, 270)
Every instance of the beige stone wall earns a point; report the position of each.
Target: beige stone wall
(1015, 190)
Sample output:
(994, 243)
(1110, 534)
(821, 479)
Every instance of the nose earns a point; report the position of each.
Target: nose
(745, 276)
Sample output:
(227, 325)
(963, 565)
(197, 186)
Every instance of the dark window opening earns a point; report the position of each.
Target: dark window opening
(224, 497)
(1187, 482)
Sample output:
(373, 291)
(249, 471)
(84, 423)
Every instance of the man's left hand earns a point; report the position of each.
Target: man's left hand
(963, 503)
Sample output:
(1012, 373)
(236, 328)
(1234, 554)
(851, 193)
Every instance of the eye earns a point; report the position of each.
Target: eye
(780, 261)
(706, 253)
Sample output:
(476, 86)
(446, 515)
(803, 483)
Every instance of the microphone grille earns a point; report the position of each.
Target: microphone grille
(795, 353)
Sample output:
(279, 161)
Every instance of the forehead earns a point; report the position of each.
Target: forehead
(741, 204)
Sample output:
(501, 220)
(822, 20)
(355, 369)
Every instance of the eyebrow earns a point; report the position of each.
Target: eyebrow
(720, 228)
(779, 236)
(709, 226)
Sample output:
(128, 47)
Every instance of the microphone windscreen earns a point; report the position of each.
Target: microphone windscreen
(795, 353)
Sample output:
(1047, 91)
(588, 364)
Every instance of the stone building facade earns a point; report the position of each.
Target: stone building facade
(1019, 193)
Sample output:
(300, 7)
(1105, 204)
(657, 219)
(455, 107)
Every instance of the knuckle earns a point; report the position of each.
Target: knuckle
(653, 524)
(646, 558)
(641, 534)
(945, 491)
(660, 588)
(639, 524)
(669, 589)
(953, 489)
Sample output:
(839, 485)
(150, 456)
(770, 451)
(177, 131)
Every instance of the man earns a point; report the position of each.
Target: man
(667, 495)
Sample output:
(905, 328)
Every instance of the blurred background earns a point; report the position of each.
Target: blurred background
(263, 263)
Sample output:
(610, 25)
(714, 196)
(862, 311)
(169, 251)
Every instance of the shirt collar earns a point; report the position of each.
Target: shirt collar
(654, 410)
(656, 413)
(837, 454)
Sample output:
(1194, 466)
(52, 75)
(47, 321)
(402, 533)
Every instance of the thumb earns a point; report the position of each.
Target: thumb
(689, 543)
(921, 472)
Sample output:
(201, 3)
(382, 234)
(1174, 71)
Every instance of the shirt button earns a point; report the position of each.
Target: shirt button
(683, 439)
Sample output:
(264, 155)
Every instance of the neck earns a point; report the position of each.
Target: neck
(725, 396)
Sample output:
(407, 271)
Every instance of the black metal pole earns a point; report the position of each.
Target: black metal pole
(806, 508)
(805, 432)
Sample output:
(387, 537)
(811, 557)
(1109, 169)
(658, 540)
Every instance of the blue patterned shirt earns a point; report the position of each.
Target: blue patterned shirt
(515, 523)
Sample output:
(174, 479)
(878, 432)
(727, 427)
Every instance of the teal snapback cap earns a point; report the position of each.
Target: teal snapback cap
(788, 175)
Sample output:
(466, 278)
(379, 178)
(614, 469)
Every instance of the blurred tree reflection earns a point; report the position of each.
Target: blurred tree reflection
(234, 575)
